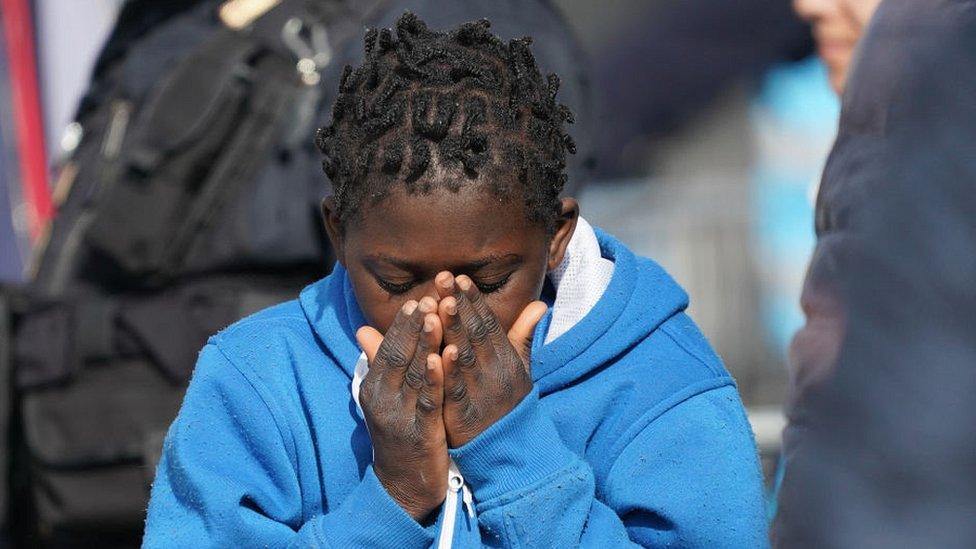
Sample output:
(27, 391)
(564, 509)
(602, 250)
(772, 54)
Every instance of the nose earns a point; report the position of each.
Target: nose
(812, 10)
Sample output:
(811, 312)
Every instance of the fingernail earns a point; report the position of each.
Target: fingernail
(451, 307)
(446, 282)
(427, 305)
(428, 324)
(431, 363)
(452, 353)
(409, 307)
(464, 283)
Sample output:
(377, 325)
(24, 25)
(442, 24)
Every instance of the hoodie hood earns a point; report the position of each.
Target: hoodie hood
(639, 296)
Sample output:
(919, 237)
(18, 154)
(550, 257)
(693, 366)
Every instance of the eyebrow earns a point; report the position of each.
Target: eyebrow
(467, 266)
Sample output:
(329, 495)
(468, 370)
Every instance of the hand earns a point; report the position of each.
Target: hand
(486, 372)
(402, 398)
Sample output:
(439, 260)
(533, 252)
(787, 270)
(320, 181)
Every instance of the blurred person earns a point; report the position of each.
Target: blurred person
(880, 450)
(477, 414)
(837, 28)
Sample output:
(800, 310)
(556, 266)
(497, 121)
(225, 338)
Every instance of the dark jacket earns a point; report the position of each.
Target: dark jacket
(879, 449)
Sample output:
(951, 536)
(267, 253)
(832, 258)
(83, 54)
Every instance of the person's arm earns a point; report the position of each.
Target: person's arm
(688, 477)
(228, 478)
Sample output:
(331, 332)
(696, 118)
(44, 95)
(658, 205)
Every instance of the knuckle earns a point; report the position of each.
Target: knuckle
(394, 354)
(470, 414)
(414, 379)
(425, 403)
(477, 330)
(458, 391)
(466, 357)
(454, 328)
(492, 325)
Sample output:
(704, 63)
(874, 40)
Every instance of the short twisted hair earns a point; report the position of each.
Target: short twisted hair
(455, 108)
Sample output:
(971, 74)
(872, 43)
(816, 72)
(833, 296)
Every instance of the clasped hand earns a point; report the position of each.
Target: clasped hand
(444, 372)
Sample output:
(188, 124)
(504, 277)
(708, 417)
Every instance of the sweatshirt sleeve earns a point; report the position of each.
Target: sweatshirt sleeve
(227, 479)
(689, 477)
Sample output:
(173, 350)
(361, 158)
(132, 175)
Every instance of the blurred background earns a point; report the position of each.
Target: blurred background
(707, 127)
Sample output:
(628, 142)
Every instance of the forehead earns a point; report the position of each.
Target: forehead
(444, 226)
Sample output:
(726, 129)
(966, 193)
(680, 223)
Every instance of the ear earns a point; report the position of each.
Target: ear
(333, 228)
(565, 227)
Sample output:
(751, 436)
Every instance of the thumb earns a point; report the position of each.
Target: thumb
(369, 339)
(521, 333)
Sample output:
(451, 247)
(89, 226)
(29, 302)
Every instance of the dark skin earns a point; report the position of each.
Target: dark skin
(449, 284)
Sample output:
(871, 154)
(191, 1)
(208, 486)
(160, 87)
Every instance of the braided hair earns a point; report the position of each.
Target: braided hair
(450, 109)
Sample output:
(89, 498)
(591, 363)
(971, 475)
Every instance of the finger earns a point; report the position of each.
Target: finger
(454, 332)
(437, 336)
(426, 344)
(444, 283)
(524, 328)
(369, 339)
(492, 325)
(431, 395)
(399, 344)
(483, 330)
(455, 385)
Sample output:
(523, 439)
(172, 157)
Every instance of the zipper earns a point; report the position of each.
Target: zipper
(455, 484)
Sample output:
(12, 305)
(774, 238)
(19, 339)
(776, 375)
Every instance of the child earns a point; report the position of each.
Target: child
(423, 393)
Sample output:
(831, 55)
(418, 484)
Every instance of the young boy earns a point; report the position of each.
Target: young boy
(423, 393)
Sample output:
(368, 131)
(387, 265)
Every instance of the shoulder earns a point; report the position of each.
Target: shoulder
(689, 341)
(264, 330)
(267, 346)
(672, 360)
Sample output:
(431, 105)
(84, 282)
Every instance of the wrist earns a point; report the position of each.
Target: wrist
(419, 506)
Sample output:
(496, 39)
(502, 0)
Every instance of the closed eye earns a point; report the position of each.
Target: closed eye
(492, 287)
(395, 288)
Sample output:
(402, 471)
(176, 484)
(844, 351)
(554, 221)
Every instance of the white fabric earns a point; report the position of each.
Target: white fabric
(580, 281)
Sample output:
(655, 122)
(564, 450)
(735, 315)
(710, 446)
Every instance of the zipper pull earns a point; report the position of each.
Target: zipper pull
(456, 483)
(467, 498)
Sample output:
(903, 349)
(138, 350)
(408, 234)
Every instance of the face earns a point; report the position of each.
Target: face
(837, 27)
(393, 249)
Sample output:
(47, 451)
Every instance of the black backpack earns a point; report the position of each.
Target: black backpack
(190, 200)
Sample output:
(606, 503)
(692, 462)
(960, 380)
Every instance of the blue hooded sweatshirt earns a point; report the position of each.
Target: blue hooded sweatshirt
(634, 435)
